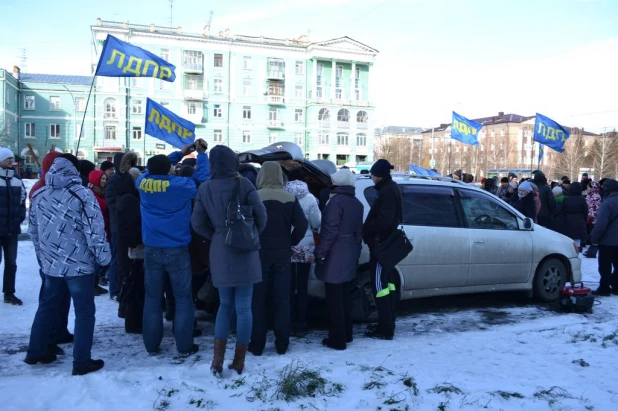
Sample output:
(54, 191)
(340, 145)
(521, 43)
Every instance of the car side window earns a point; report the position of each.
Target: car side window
(425, 205)
(484, 212)
(370, 195)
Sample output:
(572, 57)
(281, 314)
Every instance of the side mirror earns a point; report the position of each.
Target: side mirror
(528, 223)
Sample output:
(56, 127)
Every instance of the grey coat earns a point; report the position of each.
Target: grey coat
(66, 224)
(340, 237)
(229, 268)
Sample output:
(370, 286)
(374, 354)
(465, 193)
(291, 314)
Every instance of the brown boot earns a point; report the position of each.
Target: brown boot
(238, 363)
(217, 362)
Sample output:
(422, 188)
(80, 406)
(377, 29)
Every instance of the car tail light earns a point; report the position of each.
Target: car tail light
(576, 248)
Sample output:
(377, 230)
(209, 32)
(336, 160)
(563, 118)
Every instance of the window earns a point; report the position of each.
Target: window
(361, 140)
(246, 112)
(324, 114)
(357, 95)
(298, 115)
(501, 133)
(54, 103)
(320, 69)
(425, 205)
(54, 131)
(273, 114)
(323, 139)
(191, 108)
(275, 88)
(318, 92)
(165, 54)
(343, 115)
(338, 94)
(80, 103)
(136, 107)
(493, 133)
(357, 73)
(30, 130)
(485, 212)
(300, 67)
(246, 87)
(29, 103)
(110, 132)
(217, 111)
(110, 108)
(272, 138)
(247, 64)
(165, 104)
(246, 137)
(362, 117)
(137, 133)
(218, 85)
(193, 60)
(342, 139)
(193, 82)
(217, 136)
(218, 60)
(298, 138)
(339, 71)
(300, 92)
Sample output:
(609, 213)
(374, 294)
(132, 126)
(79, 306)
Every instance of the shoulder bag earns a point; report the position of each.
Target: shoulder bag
(242, 234)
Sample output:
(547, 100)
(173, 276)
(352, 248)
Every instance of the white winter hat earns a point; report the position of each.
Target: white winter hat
(5, 153)
(343, 177)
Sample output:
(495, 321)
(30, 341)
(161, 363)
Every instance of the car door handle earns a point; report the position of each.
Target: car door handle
(479, 242)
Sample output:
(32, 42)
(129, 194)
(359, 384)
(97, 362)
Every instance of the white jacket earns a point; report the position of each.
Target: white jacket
(303, 252)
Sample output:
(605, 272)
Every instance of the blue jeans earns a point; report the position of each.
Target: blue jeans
(112, 273)
(82, 293)
(158, 262)
(9, 249)
(239, 298)
(59, 330)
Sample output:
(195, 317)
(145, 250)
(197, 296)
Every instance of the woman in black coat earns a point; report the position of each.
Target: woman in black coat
(525, 200)
(337, 256)
(575, 214)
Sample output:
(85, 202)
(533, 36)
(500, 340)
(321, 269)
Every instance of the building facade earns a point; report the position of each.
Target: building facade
(244, 92)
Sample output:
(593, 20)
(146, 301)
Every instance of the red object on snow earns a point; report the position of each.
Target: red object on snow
(576, 298)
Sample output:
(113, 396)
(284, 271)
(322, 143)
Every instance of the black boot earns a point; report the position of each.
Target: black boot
(91, 366)
(11, 299)
(46, 359)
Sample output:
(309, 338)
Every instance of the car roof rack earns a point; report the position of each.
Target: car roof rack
(405, 176)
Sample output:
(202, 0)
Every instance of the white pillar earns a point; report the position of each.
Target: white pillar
(352, 82)
(366, 97)
(333, 80)
(314, 78)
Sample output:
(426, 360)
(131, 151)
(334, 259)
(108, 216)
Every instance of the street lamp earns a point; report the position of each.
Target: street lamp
(74, 112)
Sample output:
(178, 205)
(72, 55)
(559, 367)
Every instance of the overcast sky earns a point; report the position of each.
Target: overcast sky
(477, 57)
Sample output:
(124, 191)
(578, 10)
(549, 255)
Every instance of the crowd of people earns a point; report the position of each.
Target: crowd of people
(159, 237)
(585, 211)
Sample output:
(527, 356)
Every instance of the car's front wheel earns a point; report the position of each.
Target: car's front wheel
(549, 279)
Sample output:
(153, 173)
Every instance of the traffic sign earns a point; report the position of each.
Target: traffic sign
(432, 163)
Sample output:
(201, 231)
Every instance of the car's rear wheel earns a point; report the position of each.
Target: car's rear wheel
(549, 279)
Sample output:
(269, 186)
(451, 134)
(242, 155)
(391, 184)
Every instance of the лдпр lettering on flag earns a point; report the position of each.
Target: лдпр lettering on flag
(550, 133)
(166, 126)
(121, 59)
(464, 130)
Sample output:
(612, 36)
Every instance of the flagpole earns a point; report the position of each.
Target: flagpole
(81, 129)
(538, 166)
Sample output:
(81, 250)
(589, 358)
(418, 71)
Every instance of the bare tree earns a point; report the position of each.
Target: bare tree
(574, 155)
(604, 154)
(396, 149)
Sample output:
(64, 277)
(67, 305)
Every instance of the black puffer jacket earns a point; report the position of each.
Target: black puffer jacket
(548, 202)
(122, 163)
(12, 202)
(128, 213)
(386, 212)
(575, 213)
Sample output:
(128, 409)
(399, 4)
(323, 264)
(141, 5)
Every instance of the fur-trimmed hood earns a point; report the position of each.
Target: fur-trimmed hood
(128, 161)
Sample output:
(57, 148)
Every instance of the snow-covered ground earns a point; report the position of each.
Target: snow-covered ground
(518, 356)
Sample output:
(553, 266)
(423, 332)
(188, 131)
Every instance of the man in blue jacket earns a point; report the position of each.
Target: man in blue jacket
(166, 202)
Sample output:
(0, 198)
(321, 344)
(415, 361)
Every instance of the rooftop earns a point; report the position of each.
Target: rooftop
(55, 79)
(399, 130)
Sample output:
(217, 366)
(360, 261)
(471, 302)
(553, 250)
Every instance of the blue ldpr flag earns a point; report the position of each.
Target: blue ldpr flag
(541, 152)
(464, 130)
(550, 133)
(167, 126)
(121, 59)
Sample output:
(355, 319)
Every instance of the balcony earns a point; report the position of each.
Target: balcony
(197, 68)
(343, 124)
(197, 118)
(274, 124)
(275, 100)
(362, 126)
(275, 75)
(196, 95)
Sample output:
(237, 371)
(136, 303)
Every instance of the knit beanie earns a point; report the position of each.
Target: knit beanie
(557, 191)
(106, 165)
(159, 165)
(610, 186)
(343, 177)
(5, 153)
(381, 168)
(525, 186)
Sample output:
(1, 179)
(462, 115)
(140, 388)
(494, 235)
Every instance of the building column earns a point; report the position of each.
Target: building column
(333, 80)
(366, 97)
(314, 78)
(353, 82)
